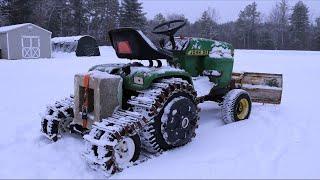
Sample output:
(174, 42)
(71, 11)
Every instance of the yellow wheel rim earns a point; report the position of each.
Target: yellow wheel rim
(242, 109)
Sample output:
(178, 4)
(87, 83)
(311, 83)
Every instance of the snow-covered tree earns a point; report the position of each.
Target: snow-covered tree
(131, 14)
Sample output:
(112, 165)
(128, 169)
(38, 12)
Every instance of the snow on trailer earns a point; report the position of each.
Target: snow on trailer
(81, 45)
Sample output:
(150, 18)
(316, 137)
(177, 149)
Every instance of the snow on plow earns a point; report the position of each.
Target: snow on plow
(262, 87)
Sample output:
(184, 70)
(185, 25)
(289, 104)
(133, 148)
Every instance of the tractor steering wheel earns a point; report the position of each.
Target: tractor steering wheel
(169, 28)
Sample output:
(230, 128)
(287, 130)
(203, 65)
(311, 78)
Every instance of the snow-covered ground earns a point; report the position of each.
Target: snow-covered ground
(278, 141)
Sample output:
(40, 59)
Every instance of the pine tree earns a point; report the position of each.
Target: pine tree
(247, 24)
(112, 16)
(299, 26)
(101, 16)
(159, 18)
(113, 13)
(207, 25)
(131, 14)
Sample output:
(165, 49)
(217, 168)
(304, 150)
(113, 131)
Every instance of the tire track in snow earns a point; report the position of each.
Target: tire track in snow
(279, 136)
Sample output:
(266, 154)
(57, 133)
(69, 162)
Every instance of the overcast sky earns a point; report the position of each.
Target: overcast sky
(228, 10)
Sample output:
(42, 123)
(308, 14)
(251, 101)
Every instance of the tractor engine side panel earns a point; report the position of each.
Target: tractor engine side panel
(224, 66)
(105, 95)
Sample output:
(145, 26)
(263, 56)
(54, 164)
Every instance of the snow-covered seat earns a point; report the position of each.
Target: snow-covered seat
(131, 43)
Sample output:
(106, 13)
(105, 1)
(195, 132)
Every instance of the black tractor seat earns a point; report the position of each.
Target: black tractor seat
(132, 44)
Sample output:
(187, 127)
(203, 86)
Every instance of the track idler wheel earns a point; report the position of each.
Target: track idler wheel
(57, 119)
(117, 157)
(179, 121)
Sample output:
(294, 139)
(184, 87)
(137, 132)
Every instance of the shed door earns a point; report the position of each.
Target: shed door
(30, 47)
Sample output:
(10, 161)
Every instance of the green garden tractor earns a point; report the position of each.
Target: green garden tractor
(127, 112)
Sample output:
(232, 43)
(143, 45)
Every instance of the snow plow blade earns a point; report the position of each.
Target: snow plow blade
(262, 87)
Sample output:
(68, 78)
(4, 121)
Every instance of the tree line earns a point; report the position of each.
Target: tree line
(284, 28)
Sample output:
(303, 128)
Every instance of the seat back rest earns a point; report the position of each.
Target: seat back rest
(133, 44)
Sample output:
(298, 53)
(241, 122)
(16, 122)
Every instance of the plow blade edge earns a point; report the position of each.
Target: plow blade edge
(262, 87)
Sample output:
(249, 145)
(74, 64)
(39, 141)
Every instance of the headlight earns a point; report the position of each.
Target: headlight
(138, 80)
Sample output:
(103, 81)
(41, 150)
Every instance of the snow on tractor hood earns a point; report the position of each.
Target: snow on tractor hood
(202, 47)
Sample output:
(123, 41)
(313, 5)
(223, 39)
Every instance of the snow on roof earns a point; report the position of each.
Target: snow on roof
(5, 29)
(66, 39)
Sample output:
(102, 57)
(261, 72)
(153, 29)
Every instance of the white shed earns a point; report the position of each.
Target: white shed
(24, 41)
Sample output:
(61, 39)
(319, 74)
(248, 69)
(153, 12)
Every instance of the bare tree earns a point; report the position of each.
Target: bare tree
(279, 17)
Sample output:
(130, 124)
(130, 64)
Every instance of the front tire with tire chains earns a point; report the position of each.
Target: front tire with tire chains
(57, 118)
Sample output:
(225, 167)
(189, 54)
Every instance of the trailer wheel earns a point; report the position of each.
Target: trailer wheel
(236, 106)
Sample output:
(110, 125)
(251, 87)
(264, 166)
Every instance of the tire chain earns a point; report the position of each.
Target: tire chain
(104, 136)
(54, 121)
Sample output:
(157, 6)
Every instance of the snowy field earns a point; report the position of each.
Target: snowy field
(278, 141)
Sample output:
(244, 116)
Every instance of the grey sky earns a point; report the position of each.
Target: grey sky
(228, 10)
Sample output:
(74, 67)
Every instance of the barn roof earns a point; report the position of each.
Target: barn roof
(5, 29)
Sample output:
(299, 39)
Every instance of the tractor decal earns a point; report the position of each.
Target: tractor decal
(198, 53)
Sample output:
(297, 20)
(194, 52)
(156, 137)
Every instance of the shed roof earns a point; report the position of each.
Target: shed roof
(5, 29)
(66, 39)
